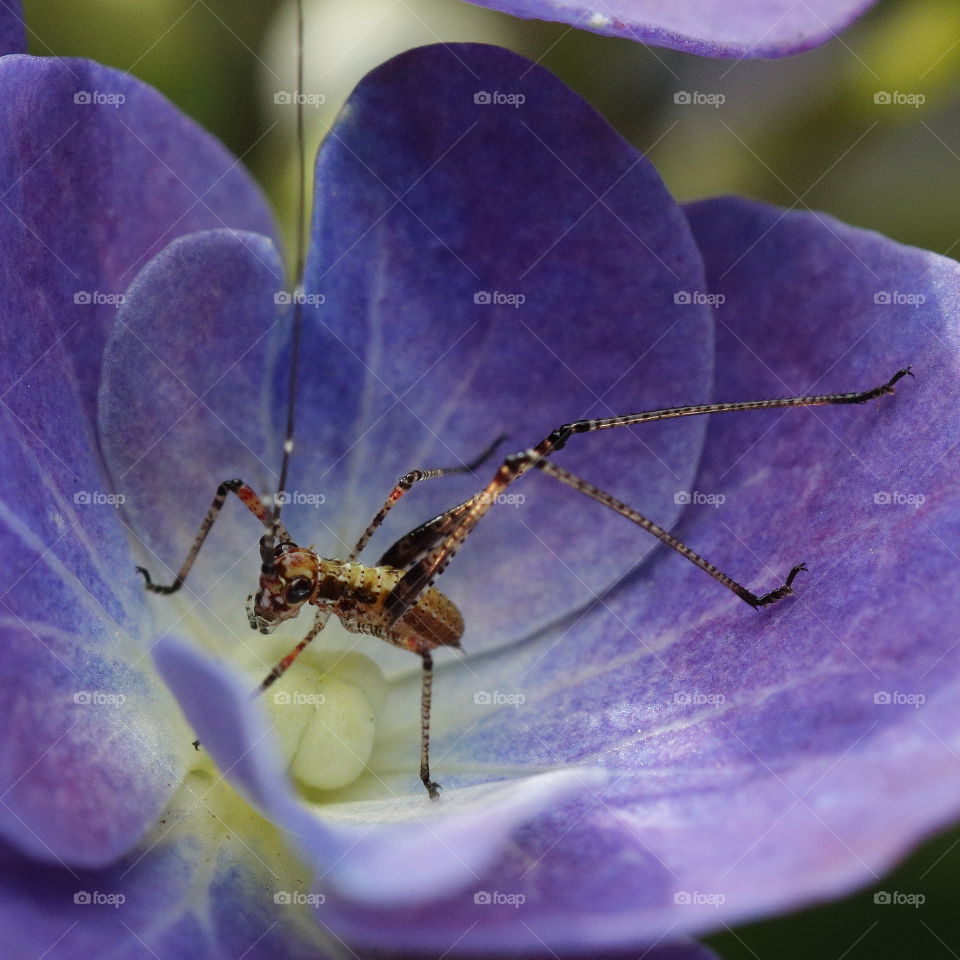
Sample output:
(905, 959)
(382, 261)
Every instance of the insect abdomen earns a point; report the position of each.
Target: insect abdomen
(359, 595)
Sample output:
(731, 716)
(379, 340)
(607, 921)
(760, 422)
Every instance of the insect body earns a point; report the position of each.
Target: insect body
(395, 599)
(292, 576)
(357, 594)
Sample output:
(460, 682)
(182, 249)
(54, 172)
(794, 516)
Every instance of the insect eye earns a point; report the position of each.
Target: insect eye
(299, 590)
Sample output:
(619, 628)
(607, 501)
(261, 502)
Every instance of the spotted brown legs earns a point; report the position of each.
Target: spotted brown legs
(250, 500)
(256, 506)
(320, 619)
(426, 692)
(601, 496)
(407, 481)
(424, 572)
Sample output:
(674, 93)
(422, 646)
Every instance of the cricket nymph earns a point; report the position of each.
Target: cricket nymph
(395, 599)
(356, 594)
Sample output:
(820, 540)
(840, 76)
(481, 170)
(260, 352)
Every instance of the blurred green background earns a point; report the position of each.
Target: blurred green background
(804, 132)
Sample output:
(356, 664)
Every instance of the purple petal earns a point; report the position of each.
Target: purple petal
(393, 851)
(229, 911)
(760, 759)
(183, 407)
(712, 28)
(13, 30)
(191, 893)
(424, 212)
(82, 777)
(85, 761)
(101, 174)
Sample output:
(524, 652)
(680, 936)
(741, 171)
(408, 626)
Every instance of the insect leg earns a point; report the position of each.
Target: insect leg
(407, 481)
(252, 502)
(422, 574)
(319, 622)
(425, 695)
(601, 496)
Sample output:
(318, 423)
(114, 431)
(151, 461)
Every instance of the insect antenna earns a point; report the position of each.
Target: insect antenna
(268, 540)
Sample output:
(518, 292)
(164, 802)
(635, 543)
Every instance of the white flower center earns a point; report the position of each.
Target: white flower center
(325, 710)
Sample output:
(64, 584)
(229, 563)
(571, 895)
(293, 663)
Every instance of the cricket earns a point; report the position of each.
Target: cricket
(394, 599)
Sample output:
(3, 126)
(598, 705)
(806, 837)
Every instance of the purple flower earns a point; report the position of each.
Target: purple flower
(712, 28)
(630, 755)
